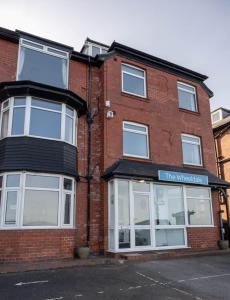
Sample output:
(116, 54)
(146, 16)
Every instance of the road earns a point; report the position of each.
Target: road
(199, 278)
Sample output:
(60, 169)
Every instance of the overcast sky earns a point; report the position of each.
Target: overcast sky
(192, 33)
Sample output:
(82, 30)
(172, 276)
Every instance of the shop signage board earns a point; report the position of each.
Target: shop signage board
(182, 177)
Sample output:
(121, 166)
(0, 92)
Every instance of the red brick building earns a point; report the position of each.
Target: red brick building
(108, 147)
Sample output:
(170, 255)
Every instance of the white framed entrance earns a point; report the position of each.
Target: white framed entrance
(153, 216)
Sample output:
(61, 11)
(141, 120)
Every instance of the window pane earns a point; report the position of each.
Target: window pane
(186, 87)
(46, 104)
(11, 207)
(135, 127)
(68, 129)
(67, 209)
(69, 111)
(50, 125)
(13, 180)
(134, 85)
(40, 208)
(42, 181)
(41, 67)
(1, 178)
(19, 101)
(124, 238)
(111, 239)
(6, 104)
(95, 50)
(169, 206)
(123, 203)
(199, 212)
(5, 119)
(135, 144)
(18, 121)
(216, 117)
(112, 206)
(142, 237)
(141, 187)
(192, 139)
(169, 237)
(55, 51)
(198, 192)
(29, 43)
(133, 71)
(187, 100)
(68, 184)
(141, 209)
(191, 154)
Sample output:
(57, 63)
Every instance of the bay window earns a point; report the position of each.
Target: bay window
(44, 64)
(36, 201)
(37, 117)
(147, 215)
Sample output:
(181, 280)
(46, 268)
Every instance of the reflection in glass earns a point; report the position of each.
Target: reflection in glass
(123, 202)
(141, 209)
(11, 206)
(124, 238)
(142, 237)
(169, 237)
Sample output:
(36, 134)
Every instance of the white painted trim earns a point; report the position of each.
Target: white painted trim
(146, 133)
(28, 108)
(144, 79)
(192, 143)
(21, 196)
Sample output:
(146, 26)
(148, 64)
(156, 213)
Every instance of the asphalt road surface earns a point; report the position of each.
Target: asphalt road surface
(199, 278)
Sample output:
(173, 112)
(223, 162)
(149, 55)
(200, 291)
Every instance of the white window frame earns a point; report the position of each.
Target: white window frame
(140, 77)
(21, 197)
(193, 143)
(152, 194)
(190, 92)
(43, 49)
(28, 107)
(137, 132)
(219, 113)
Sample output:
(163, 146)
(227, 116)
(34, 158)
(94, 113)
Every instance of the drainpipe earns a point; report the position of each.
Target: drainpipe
(89, 177)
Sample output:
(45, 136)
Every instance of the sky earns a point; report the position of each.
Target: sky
(191, 33)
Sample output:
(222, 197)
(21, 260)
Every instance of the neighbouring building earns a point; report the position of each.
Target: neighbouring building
(108, 147)
(221, 130)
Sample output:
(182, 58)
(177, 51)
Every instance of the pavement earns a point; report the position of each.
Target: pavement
(200, 278)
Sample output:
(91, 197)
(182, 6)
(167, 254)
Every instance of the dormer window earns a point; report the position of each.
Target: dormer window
(93, 49)
(43, 64)
(216, 117)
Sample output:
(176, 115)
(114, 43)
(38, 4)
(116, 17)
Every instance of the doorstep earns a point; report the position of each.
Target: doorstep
(56, 264)
(157, 255)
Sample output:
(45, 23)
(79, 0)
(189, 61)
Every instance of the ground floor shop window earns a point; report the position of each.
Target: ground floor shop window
(36, 200)
(146, 215)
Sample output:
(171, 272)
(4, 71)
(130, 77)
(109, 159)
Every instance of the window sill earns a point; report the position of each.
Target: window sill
(136, 158)
(195, 113)
(136, 97)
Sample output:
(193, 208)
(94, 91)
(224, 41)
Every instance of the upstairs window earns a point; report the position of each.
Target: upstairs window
(38, 118)
(216, 116)
(135, 140)
(133, 81)
(42, 64)
(191, 147)
(187, 96)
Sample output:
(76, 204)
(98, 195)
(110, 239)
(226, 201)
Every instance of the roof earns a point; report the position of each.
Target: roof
(225, 109)
(93, 42)
(27, 87)
(221, 124)
(115, 48)
(146, 170)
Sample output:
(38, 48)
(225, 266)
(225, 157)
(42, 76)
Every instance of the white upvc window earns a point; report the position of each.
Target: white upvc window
(217, 116)
(135, 140)
(33, 200)
(155, 216)
(133, 80)
(42, 63)
(187, 96)
(30, 116)
(191, 147)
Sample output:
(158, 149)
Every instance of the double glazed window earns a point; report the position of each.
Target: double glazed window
(187, 96)
(42, 64)
(32, 200)
(145, 215)
(135, 140)
(191, 147)
(38, 117)
(133, 80)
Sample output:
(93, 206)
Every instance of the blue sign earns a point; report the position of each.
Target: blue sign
(182, 177)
